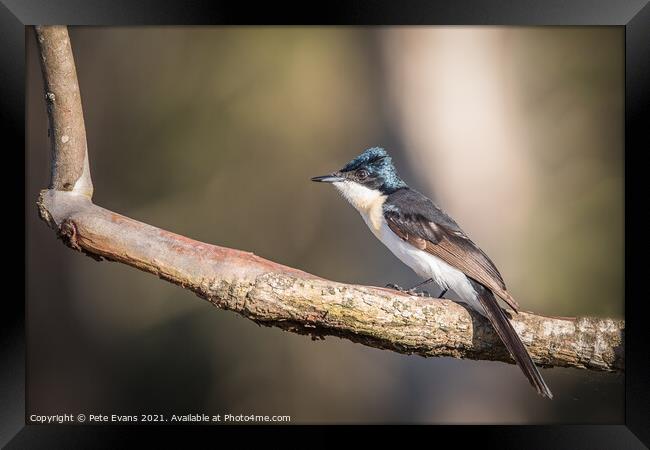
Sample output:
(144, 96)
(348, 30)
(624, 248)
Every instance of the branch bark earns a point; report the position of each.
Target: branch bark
(70, 169)
(276, 295)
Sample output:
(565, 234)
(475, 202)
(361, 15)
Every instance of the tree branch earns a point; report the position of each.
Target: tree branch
(276, 295)
(70, 170)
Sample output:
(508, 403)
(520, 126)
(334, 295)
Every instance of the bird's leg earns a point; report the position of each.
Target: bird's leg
(421, 284)
(444, 291)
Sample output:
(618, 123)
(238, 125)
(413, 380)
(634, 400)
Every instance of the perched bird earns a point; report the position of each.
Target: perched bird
(431, 243)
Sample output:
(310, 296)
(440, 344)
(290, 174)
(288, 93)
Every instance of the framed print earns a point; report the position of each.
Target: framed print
(472, 271)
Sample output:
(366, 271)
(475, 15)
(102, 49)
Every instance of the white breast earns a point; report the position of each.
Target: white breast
(370, 203)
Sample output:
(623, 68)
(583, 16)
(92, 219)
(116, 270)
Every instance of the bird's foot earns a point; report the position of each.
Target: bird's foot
(421, 293)
(411, 291)
(395, 287)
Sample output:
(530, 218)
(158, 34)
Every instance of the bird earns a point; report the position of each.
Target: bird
(432, 244)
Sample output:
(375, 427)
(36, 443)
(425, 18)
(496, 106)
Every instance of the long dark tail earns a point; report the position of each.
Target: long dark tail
(511, 339)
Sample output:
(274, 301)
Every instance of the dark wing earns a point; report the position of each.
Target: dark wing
(425, 226)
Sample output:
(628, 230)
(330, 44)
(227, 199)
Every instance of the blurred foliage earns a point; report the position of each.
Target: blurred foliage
(214, 133)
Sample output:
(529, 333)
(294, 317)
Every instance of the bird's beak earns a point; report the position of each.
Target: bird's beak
(332, 178)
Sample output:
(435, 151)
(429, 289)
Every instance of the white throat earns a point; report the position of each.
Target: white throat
(369, 202)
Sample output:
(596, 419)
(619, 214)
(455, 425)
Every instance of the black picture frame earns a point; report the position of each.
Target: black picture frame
(633, 15)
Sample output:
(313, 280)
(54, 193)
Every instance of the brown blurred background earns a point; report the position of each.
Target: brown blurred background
(213, 133)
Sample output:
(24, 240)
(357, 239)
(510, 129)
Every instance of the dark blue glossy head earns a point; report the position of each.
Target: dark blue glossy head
(373, 169)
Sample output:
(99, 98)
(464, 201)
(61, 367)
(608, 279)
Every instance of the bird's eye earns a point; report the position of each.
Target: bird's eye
(363, 173)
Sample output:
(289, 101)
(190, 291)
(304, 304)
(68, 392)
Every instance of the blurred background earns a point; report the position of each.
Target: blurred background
(213, 133)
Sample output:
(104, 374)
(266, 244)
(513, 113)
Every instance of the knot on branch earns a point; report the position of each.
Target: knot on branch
(67, 232)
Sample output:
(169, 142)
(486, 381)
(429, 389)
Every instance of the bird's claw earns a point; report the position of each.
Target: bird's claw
(408, 291)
